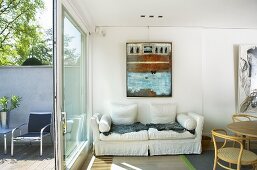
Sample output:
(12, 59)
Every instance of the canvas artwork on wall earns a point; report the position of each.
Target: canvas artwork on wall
(247, 81)
(149, 69)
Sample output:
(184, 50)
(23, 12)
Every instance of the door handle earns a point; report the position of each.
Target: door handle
(64, 124)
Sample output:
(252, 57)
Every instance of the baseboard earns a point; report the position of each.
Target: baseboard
(253, 145)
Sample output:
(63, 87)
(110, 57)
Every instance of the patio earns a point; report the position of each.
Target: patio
(27, 157)
(34, 85)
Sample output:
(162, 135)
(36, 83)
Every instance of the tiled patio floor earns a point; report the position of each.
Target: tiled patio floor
(27, 157)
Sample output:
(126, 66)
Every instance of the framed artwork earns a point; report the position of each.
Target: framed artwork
(247, 80)
(149, 69)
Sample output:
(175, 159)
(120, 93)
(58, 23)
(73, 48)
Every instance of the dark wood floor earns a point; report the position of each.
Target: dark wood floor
(27, 157)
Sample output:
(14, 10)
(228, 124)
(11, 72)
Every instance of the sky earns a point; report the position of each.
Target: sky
(45, 17)
(70, 30)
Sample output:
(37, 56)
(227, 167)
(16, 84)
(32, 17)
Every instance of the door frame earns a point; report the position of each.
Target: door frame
(59, 7)
(57, 38)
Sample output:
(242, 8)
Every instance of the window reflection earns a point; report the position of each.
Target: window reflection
(74, 97)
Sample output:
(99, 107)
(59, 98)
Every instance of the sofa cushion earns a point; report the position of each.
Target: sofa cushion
(132, 136)
(163, 113)
(169, 134)
(123, 114)
(105, 123)
(122, 129)
(186, 121)
(168, 126)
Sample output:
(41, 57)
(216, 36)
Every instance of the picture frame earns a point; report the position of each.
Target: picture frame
(247, 79)
(149, 69)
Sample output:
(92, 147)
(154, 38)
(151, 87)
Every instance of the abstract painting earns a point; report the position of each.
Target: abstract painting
(247, 81)
(149, 69)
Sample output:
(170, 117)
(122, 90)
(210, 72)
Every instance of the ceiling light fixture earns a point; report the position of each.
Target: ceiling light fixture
(151, 16)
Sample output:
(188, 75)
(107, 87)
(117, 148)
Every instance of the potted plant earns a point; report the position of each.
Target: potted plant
(6, 107)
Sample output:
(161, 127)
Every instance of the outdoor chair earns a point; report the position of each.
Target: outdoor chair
(231, 155)
(245, 117)
(38, 127)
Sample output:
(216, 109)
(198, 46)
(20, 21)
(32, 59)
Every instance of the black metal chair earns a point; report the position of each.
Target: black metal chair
(38, 127)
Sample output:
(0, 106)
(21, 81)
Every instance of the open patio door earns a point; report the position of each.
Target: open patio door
(71, 85)
(73, 90)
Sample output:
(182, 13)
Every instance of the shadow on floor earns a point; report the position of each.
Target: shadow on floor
(27, 157)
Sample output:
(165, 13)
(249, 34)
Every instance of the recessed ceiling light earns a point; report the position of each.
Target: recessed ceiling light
(142, 16)
(160, 16)
(151, 16)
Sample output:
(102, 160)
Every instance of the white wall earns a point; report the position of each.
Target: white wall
(204, 72)
(220, 59)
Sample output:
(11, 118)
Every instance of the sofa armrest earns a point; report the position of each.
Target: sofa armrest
(95, 119)
(199, 127)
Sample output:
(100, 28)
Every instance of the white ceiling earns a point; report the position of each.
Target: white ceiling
(196, 13)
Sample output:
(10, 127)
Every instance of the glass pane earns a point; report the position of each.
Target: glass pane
(74, 75)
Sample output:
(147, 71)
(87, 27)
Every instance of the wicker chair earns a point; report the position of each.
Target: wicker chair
(245, 117)
(231, 155)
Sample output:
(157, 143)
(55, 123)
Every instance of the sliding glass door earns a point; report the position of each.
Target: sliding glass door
(70, 71)
(73, 90)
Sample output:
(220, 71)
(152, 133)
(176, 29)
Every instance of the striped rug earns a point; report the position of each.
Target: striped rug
(102, 163)
(138, 163)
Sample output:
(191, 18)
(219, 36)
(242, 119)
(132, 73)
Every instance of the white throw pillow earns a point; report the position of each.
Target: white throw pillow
(98, 117)
(123, 114)
(163, 113)
(186, 121)
(105, 123)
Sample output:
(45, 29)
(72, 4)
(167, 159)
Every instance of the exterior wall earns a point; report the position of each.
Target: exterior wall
(33, 84)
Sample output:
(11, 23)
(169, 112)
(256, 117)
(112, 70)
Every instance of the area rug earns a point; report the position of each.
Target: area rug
(101, 163)
(138, 163)
(204, 161)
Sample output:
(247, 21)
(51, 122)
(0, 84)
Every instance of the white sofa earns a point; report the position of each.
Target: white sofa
(148, 142)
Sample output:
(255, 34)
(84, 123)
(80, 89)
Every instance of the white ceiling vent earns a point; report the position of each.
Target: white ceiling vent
(151, 16)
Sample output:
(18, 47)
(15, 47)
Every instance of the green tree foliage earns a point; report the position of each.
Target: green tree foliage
(20, 35)
(41, 47)
(71, 55)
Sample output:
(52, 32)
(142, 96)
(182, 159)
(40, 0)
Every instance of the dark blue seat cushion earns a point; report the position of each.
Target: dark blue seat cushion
(37, 121)
(32, 135)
